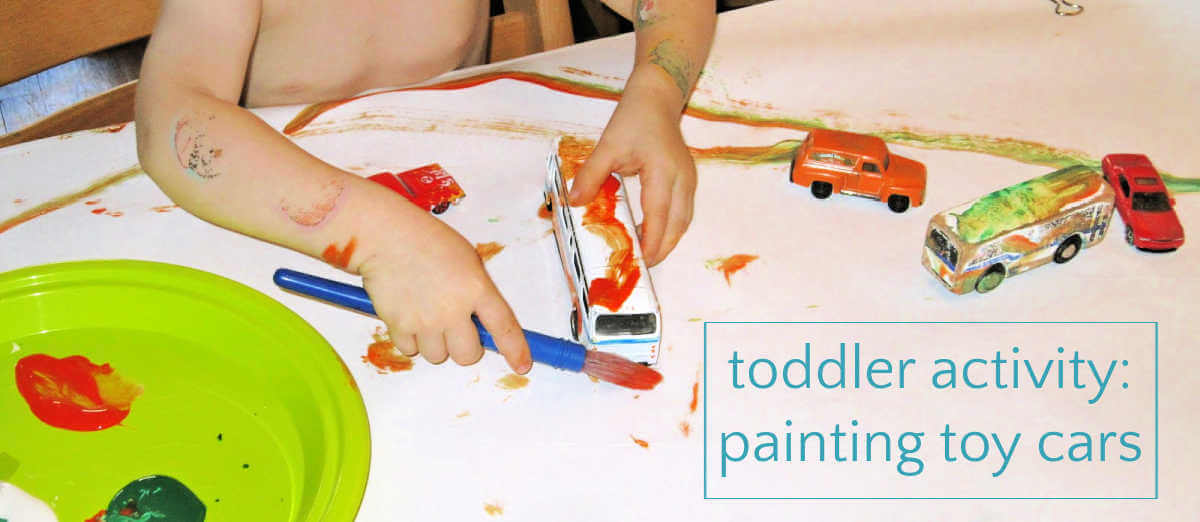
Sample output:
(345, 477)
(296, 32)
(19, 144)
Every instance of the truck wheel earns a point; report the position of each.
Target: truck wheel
(1067, 250)
(1129, 235)
(821, 189)
(575, 324)
(898, 203)
(990, 280)
(441, 207)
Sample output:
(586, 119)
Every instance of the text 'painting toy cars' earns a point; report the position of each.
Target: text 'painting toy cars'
(1142, 201)
(978, 244)
(831, 161)
(614, 306)
(429, 187)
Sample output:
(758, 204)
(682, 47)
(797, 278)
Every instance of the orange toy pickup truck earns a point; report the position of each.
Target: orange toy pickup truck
(832, 161)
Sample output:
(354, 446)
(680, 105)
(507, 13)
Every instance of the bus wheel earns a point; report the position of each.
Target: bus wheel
(989, 281)
(575, 324)
(822, 189)
(898, 203)
(441, 207)
(1067, 250)
(1129, 234)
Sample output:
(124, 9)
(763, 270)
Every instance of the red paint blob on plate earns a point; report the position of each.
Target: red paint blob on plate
(74, 394)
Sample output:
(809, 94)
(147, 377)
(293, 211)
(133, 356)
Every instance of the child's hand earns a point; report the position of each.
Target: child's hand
(426, 291)
(643, 138)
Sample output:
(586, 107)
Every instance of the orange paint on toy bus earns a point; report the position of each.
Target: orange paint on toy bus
(340, 257)
(623, 273)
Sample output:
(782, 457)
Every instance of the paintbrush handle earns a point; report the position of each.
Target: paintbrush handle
(559, 353)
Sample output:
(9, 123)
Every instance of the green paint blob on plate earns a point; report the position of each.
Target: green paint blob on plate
(155, 498)
(212, 356)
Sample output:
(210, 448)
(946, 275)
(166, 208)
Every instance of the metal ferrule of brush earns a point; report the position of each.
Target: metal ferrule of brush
(559, 353)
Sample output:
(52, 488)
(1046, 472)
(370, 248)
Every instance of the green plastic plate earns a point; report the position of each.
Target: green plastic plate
(243, 402)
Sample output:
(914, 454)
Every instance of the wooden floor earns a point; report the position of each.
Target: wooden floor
(30, 99)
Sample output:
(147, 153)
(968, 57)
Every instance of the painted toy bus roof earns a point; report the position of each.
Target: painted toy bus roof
(1025, 203)
(850, 142)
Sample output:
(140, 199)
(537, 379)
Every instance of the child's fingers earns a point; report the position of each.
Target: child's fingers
(462, 341)
(406, 343)
(498, 319)
(677, 223)
(432, 345)
(656, 207)
(594, 172)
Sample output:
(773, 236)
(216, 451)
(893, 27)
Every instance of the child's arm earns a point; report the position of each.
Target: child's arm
(643, 137)
(223, 164)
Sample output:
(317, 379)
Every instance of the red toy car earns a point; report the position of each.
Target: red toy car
(429, 187)
(1142, 200)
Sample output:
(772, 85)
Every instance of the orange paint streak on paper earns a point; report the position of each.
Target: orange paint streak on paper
(512, 381)
(63, 201)
(98, 211)
(544, 212)
(489, 250)
(164, 208)
(493, 510)
(340, 257)
(384, 356)
(685, 428)
(695, 397)
(462, 414)
(640, 442)
(730, 265)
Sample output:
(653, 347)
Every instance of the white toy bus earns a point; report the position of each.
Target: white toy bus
(978, 244)
(614, 307)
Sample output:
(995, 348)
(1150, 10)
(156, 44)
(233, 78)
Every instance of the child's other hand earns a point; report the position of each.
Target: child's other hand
(643, 138)
(426, 291)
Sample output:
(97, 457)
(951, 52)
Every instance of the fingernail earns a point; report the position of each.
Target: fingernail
(525, 367)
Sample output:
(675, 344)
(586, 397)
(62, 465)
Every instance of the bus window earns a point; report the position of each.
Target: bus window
(943, 248)
(631, 324)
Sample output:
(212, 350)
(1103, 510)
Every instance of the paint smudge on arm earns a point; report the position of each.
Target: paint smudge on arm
(194, 147)
(74, 394)
(640, 442)
(340, 257)
(311, 210)
(675, 63)
(384, 356)
(645, 14)
(729, 265)
(489, 250)
(512, 381)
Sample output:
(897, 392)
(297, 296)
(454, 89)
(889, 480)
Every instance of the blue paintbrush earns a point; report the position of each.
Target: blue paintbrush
(559, 353)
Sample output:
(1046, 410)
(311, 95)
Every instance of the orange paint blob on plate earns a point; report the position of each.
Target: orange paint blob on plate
(74, 394)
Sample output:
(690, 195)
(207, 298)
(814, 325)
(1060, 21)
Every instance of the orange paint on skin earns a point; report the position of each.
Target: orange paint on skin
(74, 394)
(695, 397)
(315, 211)
(487, 251)
(340, 257)
(640, 442)
(493, 510)
(730, 265)
(512, 381)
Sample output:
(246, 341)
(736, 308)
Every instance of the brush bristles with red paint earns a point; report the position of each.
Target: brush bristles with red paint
(620, 371)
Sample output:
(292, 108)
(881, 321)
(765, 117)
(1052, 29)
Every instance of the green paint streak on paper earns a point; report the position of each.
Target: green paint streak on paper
(1181, 185)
